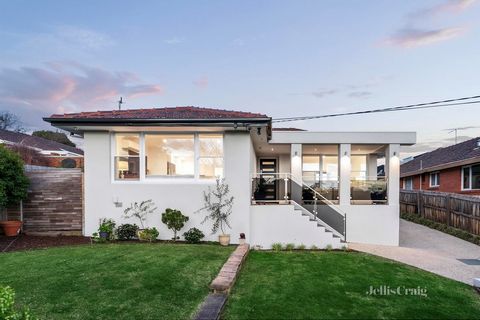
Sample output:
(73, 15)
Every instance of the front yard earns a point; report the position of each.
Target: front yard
(113, 281)
(334, 285)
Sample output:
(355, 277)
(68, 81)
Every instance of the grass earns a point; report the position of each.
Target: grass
(113, 281)
(334, 285)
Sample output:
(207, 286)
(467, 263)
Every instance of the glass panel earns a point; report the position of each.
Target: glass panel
(476, 177)
(311, 163)
(127, 168)
(369, 192)
(359, 167)
(127, 144)
(466, 178)
(211, 168)
(211, 145)
(329, 168)
(169, 155)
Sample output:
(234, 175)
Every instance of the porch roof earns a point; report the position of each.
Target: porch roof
(312, 137)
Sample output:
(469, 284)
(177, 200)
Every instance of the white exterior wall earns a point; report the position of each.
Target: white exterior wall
(186, 195)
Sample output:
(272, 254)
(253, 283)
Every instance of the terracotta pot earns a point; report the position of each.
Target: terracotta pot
(224, 239)
(11, 228)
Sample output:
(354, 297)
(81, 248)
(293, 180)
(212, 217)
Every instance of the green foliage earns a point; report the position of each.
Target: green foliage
(328, 247)
(126, 231)
(218, 203)
(149, 234)
(108, 226)
(175, 220)
(193, 235)
(59, 137)
(442, 227)
(313, 247)
(140, 211)
(13, 181)
(289, 246)
(96, 238)
(7, 306)
(301, 247)
(277, 246)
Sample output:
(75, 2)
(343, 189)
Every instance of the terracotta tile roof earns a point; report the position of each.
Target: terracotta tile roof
(173, 113)
(469, 149)
(29, 141)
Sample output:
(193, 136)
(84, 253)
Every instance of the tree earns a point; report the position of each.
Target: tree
(13, 181)
(54, 136)
(175, 220)
(218, 204)
(10, 121)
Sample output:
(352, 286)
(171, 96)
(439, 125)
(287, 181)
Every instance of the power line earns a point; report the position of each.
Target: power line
(434, 104)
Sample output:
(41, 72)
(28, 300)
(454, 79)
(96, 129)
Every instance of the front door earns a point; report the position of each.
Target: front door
(268, 168)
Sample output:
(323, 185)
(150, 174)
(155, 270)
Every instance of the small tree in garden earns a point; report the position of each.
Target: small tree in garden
(218, 204)
(13, 181)
(175, 220)
(140, 211)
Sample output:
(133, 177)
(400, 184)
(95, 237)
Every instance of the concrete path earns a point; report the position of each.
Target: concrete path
(430, 250)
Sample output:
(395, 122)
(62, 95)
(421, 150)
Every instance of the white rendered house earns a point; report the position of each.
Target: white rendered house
(290, 186)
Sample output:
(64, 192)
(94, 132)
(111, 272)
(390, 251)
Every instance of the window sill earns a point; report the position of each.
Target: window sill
(170, 181)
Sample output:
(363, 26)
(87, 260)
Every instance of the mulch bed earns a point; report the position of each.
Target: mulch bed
(24, 242)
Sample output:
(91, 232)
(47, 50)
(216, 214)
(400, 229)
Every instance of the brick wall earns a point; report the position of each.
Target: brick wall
(54, 204)
(450, 181)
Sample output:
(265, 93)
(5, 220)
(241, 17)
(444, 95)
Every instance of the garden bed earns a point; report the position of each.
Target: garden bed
(24, 242)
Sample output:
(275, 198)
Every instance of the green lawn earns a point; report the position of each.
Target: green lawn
(333, 285)
(113, 281)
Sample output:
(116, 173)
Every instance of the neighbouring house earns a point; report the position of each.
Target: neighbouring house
(454, 169)
(42, 152)
(290, 186)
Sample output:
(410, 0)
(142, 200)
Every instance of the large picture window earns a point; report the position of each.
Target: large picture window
(162, 155)
(359, 167)
(169, 155)
(471, 177)
(127, 156)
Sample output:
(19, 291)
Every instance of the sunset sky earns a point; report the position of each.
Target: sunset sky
(281, 58)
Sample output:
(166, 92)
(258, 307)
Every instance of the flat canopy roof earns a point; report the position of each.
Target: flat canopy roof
(312, 137)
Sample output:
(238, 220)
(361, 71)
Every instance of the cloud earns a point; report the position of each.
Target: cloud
(429, 145)
(238, 42)
(324, 92)
(33, 92)
(360, 94)
(451, 6)
(174, 40)
(201, 82)
(410, 38)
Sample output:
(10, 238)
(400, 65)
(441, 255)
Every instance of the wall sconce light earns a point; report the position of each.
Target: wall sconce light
(235, 126)
(346, 153)
(296, 154)
(394, 153)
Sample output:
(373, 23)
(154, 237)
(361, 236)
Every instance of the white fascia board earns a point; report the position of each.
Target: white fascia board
(311, 137)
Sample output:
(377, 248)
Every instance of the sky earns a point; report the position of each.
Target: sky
(280, 58)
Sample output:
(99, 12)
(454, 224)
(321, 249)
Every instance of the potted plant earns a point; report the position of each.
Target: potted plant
(218, 204)
(175, 220)
(242, 239)
(105, 229)
(140, 211)
(13, 187)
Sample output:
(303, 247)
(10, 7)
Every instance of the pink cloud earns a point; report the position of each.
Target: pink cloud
(201, 82)
(410, 38)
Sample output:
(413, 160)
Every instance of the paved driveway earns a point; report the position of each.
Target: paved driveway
(430, 250)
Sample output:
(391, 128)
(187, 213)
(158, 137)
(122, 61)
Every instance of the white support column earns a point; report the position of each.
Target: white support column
(345, 172)
(392, 169)
(296, 161)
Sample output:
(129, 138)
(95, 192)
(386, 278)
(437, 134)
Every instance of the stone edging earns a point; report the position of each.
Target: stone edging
(212, 306)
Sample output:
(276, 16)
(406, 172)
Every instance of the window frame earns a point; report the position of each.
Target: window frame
(143, 179)
(114, 154)
(320, 165)
(437, 180)
(470, 176)
(405, 180)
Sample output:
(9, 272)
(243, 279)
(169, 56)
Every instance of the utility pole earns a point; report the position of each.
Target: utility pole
(120, 103)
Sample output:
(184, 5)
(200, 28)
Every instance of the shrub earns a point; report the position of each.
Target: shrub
(127, 231)
(7, 306)
(149, 234)
(193, 235)
(13, 181)
(175, 220)
(289, 246)
(301, 247)
(277, 246)
(328, 247)
(140, 211)
(313, 247)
